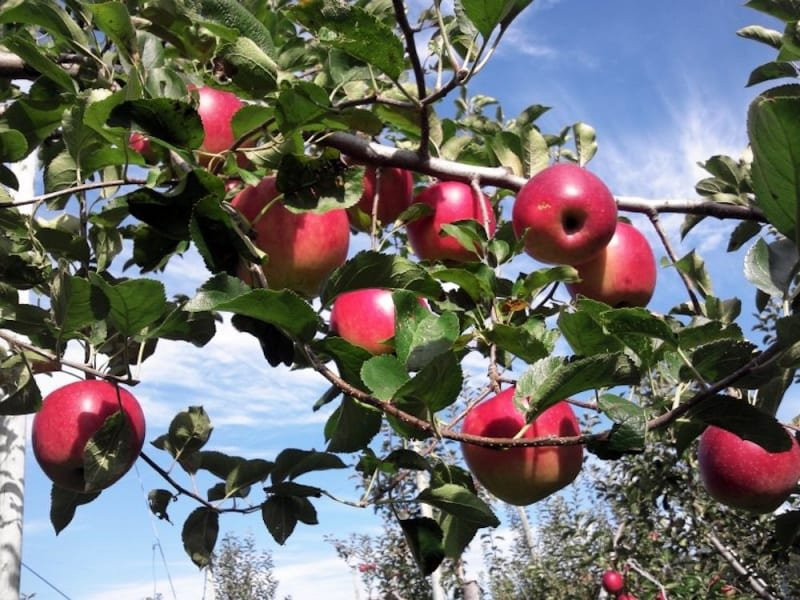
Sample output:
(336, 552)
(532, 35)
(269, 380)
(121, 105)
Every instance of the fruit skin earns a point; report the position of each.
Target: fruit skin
(741, 474)
(139, 142)
(613, 582)
(396, 191)
(451, 201)
(569, 213)
(623, 274)
(365, 318)
(521, 476)
(303, 248)
(216, 109)
(72, 414)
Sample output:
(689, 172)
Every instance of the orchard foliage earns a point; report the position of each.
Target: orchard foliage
(331, 86)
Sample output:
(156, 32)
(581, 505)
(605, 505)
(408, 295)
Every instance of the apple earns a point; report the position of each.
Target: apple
(395, 193)
(566, 214)
(69, 417)
(451, 201)
(613, 582)
(742, 474)
(521, 476)
(626, 597)
(365, 318)
(216, 109)
(139, 142)
(303, 248)
(623, 274)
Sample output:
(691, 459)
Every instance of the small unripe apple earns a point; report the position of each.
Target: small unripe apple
(140, 143)
(742, 474)
(521, 476)
(451, 201)
(395, 192)
(566, 213)
(613, 582)
(622, 274)
(303, 248)
(69, 417)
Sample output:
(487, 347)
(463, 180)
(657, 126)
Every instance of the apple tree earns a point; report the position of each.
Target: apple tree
(124, 104)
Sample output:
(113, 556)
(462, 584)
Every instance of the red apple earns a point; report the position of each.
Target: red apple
(216, 109)
(742, 474)
(451, 201)
(395, 193)
(521, 475)
(303, 248)
(140, 143)
(626, 597)
(566, 214)
(623, 274)
(365, 318)
(69, 417)
(613, 582)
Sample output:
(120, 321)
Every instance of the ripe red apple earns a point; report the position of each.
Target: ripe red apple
(521, 475)
(365, 318)
(568, 212)
(70, 416)
(395, 192)
(626, 597)
(216, 109)
(623, 274)
(742, 474)
(451, 201)
(613, 582)
(303, 248)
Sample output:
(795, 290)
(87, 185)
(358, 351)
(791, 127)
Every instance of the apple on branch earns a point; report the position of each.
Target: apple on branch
(69, 417)
(566, 214)
(612, 581)
(216, 109)
(523, 475)
(302, 248)
(394, 192)
(741, 474)
(451, 201)
(622, 274)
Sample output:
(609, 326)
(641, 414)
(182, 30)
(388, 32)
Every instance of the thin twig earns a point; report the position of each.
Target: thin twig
(74, 190)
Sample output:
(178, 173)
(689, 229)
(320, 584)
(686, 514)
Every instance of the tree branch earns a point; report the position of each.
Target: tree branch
(758, 585)
(13, 67)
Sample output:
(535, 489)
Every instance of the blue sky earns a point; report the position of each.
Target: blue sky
(662, 83)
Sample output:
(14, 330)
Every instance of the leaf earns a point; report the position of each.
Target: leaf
(76, 303)
(771, 267)
(770, 37)
(158, 501)
(519, 341)
(352, 426)
(240, 21)
(63, 504)
(585, 142)
(26, 48)
(457, 534)
(281, 513)
(742, 233)
(376, 269)
(113, 19)
(774, 132)
(13, 145)
(189, 431)
(291, 463)
(630, 423)
(282, 308)
(745, 420)
(718, 358)
(461, 503)
(247, 473)
(384, 375)
(437, 384)
(424, 538)
(695, 269)
(417, 343)
(349, 358)
(355, 31)
(485, 14)
(109, 453)
(772, 70)
(175, 122)
(251, 68)
(134, 304)
(787, 527)
(199, 535)
(551, 380)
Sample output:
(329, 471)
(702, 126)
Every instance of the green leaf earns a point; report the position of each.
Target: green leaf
(630, 423)
(695, 269)
(771, 267)
(291, 463)
(282, 308)
(519, 341)
(424, 538)
(234, 16)
(719, 358)
(48, 15)
(420, 336)
(476, 279)
(247, 473)
(437, 384)
(13, 145)
(743, 232)
(20, 393)
(189, 431)
(370, 269)
(585, 142)
(457, 534)
(485, 14)
(158, 500)
(76, 303)
(281, 513)
(23, 46)
(113, 19)
(460, 502)
(774, 132)
(134, 304)
(108, 453)
(349, 358)
(384, 375)
(173, 121)
(745, 420)
(535, 281)
(355, 31)
(352, 426)
(63, 504)
(251, 68)
(772, 70)
(551, 380)
(199, 535)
